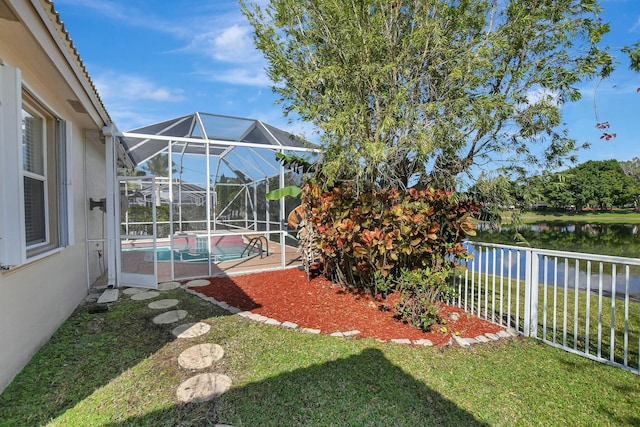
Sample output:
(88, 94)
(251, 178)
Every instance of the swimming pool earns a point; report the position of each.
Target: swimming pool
(218, 253)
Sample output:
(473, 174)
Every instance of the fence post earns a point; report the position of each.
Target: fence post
(531, 294)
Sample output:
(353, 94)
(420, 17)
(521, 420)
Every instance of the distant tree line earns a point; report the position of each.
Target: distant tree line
(593, 184)
(597, 184)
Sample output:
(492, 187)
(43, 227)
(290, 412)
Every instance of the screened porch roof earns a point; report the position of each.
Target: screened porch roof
(190, 134)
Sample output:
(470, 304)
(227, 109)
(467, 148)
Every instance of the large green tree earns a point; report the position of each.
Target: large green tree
(595, 183)
(602, 184)
(431, 90)
(556, 189)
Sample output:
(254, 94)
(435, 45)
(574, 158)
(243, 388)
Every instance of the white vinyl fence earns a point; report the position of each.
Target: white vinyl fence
(583, 303)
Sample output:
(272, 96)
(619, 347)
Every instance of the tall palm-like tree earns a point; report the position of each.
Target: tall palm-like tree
(158, 166)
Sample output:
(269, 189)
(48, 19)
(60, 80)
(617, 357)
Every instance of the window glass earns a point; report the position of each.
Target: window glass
(32, 143)
(34, 208)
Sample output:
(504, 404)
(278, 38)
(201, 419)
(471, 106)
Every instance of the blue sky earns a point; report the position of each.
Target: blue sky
(153, 60)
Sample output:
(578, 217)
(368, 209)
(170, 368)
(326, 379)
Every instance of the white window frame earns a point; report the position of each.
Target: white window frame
(14, 250)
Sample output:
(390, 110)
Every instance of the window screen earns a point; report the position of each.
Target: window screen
(35, 180)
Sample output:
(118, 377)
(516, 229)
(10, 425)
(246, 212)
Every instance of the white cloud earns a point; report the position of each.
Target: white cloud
(119, 86)
(131, 15)
(254, 76)
(233, 44)
(214, 33)
(128, 117)
(635, 26)
(538, 95)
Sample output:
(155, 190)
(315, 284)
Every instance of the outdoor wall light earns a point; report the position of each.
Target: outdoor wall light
(102, 204)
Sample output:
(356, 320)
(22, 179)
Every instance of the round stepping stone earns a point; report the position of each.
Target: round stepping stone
(145, 295)
(163, 303)
(200, 356)
(198, 282)
(167, 286)
(170, 317)
(133, 291)
(191, 330)
(203, 388)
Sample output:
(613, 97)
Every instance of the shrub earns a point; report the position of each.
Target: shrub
(419, 289)
(143, 216)
(383, 240)
(361, 233)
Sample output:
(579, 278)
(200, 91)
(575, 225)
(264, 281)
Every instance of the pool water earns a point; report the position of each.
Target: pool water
(218, 253)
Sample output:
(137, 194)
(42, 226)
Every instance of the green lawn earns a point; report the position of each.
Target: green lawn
(117, 368)
(552, 321)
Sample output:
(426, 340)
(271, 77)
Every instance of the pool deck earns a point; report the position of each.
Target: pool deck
(138, 262)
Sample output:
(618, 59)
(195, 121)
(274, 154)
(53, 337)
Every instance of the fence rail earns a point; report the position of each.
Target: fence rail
(583, 303)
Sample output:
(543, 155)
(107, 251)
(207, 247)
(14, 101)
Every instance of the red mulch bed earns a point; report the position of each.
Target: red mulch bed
(287, 295)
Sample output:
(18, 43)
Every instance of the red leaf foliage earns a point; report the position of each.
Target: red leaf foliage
(361, 232)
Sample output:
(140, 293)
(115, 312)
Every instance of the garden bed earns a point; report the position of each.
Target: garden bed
(288, 295)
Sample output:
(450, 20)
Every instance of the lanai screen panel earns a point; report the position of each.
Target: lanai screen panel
(223, 127)
(221, 167)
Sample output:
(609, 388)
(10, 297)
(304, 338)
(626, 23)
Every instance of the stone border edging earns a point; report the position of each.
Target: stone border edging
(455, 339)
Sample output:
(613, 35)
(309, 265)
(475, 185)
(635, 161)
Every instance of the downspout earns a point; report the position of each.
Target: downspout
(85, 210)
(112, 212)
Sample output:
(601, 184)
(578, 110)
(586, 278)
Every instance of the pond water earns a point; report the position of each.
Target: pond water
(621, 240)
(604, 239)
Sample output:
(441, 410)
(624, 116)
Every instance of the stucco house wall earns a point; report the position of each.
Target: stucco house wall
(39, 293)
(94, 180)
